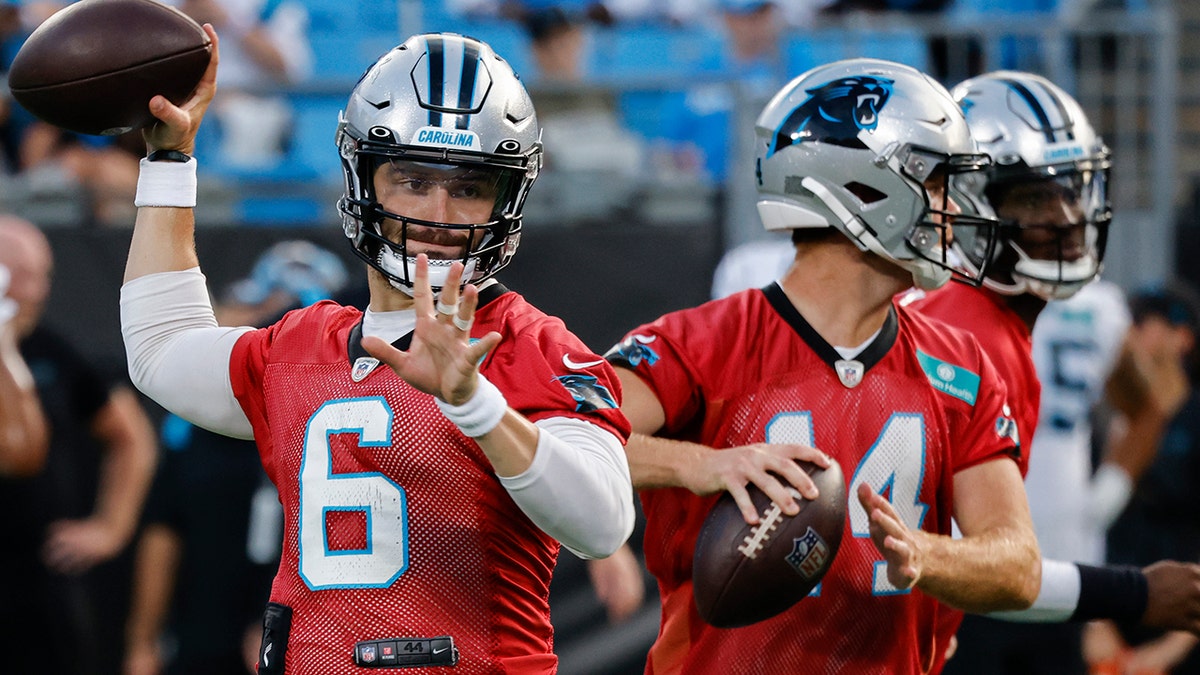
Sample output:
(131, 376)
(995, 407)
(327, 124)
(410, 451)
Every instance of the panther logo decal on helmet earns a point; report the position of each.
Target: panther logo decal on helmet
(835, 112)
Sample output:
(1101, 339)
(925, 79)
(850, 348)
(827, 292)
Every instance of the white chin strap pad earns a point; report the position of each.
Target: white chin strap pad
(406, 268)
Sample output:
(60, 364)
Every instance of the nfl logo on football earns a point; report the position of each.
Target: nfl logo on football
(809, 554)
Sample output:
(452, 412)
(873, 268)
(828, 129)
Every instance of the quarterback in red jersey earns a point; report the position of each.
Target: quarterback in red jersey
(433, 452)
(733, 391)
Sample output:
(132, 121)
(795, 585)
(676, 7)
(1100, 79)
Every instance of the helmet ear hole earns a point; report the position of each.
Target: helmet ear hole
(865, 193)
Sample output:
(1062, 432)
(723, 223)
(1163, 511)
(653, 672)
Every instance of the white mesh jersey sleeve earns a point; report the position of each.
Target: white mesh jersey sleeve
(178, 355)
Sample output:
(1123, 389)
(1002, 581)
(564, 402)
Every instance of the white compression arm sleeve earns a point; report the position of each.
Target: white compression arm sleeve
(1057, 598)
(177, 353)
(577, 489)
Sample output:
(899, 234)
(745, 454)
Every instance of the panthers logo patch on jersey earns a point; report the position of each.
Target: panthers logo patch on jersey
(1006, 426)
(588, 393)
(633, 350)
(835, 112)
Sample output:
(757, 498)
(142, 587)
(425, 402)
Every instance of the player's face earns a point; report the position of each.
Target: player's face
(436, 193)
(939, 199)
(1050, 216)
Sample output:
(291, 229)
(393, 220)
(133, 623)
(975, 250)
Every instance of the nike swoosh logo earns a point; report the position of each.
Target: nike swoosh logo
(439, 651)
(267, 655)
(574, 365)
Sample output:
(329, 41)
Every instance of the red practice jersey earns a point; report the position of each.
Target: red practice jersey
(1004, 338)
(919, 404)
(1009, 344)
(395, 524)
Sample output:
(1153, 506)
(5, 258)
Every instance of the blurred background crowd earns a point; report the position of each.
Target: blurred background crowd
(647, 108)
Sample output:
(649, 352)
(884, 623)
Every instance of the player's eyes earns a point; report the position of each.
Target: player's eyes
(415, 185)
(470, 190)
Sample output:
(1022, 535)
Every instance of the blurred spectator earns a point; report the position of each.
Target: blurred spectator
(203, 569)
(264, 48)
(65, 528)
(213, 521)
(289, 274)
(13, 118)
(105, 168)
(580, 129)
(841, 6)
(22, 423)
(716, 119)
(1160, 520)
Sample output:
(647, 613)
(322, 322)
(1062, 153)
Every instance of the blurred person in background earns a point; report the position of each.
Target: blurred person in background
(587, 144)
(213, 524)
(1160, 519)
(23, 433)
(265, 50)
(104, 168)
(101, 168)
(66, 527)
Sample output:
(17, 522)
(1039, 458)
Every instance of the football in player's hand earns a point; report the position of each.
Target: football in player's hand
(94, 65)
(743, 574)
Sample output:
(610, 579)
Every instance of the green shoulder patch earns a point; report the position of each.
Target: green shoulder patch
(950, 379)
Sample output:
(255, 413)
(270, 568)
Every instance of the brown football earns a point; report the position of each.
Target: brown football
(743, 574)
(94, 65)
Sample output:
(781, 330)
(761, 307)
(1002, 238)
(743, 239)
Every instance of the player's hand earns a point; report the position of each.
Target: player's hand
(441, 360)
(900, 546)
(618, 583)
(769, 466)
(75, 546)
(177, 125)
(1174, 596)
(1162, 364)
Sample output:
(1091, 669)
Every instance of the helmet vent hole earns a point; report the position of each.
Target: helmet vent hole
(865, 193)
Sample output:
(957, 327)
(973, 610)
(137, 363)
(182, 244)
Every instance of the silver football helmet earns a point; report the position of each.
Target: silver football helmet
(443, 105)
(1048, 183)
(852, 144)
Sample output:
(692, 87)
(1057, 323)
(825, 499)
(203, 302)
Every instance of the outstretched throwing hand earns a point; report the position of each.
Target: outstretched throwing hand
(441, 360)
(892, 538)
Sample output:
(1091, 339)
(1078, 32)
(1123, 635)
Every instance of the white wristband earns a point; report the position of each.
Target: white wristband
(166, 184)
(481, 413)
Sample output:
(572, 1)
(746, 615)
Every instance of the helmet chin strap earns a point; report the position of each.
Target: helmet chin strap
(406, 268)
